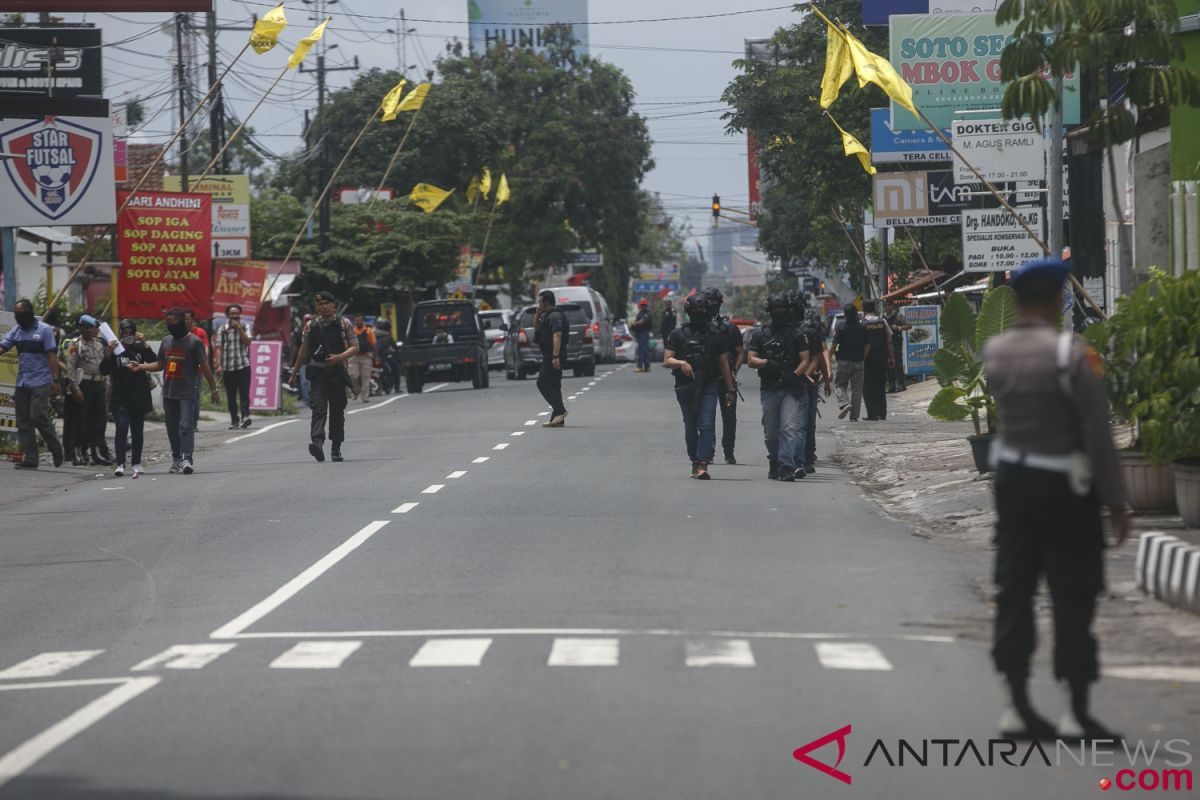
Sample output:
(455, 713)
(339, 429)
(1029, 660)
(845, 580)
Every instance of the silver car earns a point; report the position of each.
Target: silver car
(523, 358)
(495, 325)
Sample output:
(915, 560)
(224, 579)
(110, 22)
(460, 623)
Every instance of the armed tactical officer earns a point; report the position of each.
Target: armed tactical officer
(732, 339)
(699, 360)
(779, 351)
(1056, 465)
(819, 372)
(327, 343)
(879, 360)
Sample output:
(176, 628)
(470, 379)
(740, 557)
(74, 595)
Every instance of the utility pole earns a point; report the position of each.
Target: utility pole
(182, 81)
(216, 114)
(323, 217)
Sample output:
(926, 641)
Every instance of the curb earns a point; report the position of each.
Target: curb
(1169, 569)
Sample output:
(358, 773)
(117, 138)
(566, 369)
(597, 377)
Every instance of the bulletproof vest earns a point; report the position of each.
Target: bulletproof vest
(328, 336)
(778, 346)
(702, 349)
(724, 329)
(876, 334)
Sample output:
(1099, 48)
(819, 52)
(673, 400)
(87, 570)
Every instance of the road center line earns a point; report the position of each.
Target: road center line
(501, 446)
(293, 587)
(377, 405)
(482, 460)
(458, 473)
(260, 431)
(517, 433)
(433, 488)
(405, 508)
(530, 422)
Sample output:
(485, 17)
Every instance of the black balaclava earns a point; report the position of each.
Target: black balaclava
(26, 318)
(178, 329)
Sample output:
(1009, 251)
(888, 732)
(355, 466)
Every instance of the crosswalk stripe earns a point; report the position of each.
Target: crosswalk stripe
(185, 656)
(47, 665)
(727, 653)
(851, 655)
(451, 653)
(316, 655)
(584, 653)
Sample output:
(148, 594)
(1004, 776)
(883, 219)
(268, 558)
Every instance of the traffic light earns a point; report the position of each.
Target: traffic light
(716, 208)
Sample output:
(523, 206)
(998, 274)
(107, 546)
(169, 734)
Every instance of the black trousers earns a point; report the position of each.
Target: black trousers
(1043, 528)
(897, 380)
(810, 440)
(729, 425)
(327, 396)
(91, 420)
(875, 387)
(549, 383)
(237, 388)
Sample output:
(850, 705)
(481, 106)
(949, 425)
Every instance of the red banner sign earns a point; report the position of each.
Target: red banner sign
(239, 283)
(165, 247)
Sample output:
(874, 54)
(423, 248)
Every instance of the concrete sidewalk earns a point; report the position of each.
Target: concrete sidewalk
(920, 470)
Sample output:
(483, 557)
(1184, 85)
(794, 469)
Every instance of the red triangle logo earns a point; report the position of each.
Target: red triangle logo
(801, 754)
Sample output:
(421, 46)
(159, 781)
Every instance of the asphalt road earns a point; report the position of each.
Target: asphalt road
(474, 607)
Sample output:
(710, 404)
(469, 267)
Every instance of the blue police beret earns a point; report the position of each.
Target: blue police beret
(88, 321)
(1048, 268)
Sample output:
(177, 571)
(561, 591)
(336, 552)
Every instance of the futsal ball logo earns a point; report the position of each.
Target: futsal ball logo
(56, 162)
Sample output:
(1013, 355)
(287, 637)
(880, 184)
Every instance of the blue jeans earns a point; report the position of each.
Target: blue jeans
(806, 447)
(643, 349)
(181, 427)
(783, 418)
(699, 420)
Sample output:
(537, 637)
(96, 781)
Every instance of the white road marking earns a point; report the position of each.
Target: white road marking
(113, 488)
(404, 508)
(1153, 672)
(292, 587)
(727, 653)
(529, 422)
(544, 414)
(458, 473)
(586, 389)
(316, 655)
(47, 665)
(501, 446)
(517, 433)
(573, 397)
(433, 488)
(451, 653)
(593, 383)
(851, 655)
(185, 656)
(584, 653)
(260, 431)
(482, 460)
(25, 755)
(377, 405)
(431, 632)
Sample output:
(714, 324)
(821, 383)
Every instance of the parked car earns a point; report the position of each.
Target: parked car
(522, 357)
(494, 326)
(444, 342)
(623, 342)
(595, 307)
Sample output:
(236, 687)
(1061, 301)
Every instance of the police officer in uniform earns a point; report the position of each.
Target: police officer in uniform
(820, 372)
(1055, 466)
(732, 337)
(880, 359)
(698, 356)
(90, 414)
(327, 343)
(779, 351)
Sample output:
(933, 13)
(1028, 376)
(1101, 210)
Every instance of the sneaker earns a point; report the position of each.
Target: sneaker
(23, 465)
(119, 472)
(702, 472)
(844, 411)
(245, 422)
(316, 452)
(787, 475)
(557, 421)
(233, 426)
(809, 469)
(187, 467)
(176, 468)
(137, 470)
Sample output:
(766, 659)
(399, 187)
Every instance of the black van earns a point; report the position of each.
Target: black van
(445, 342)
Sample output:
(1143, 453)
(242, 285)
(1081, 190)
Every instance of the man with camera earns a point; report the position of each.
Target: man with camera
(327, 343)
(231, 352)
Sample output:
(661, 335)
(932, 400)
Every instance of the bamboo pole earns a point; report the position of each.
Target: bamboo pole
(217, 156)
(387, 172)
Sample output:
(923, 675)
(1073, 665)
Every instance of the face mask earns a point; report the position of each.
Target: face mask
(178, 329)
(128, 340)
(779, 317)
(25, 319)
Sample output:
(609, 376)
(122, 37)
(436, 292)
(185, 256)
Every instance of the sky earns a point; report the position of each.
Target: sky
(678, 69)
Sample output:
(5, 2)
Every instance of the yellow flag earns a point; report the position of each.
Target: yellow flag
(267, 30)
(838, 66)
(853, 147)
(391, 101)
(473, 190)
(306, 44)
(428, 196)
(879, 71)
(503, 195)
(415, 99)
(485, 183)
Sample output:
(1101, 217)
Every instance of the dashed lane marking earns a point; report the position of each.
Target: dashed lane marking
(482, 460)
(544, 414)
(501, 446)
(517, 433)
(316, 655)
(185, 656)
(458, 473)
(404, 508)
(530, 422)
(433, 489)
(584, 653)
(451, 653)
(851, 655)
(47, 665)
(726, 653)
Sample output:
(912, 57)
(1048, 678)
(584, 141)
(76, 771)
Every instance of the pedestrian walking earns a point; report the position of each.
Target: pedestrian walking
(90, 414)
(38, 368)
(819, 375)
(362, 364)
(877, 362)
(897, 380)
(1056, 465)
(732, 339)
(698, 357)
(194, 326)
(231, 354)
(551, 333)
(641, 327)
(182, 359)
(385, 349)
(129, 394)
(327, 344)
(851, 346)
(780, 353)
(669, 320)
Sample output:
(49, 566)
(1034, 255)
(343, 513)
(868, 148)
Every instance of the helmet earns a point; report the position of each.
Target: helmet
(698, 308)
(714, 297)
(776, 301)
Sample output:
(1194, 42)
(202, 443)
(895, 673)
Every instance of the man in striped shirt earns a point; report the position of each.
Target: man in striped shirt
(231, 351)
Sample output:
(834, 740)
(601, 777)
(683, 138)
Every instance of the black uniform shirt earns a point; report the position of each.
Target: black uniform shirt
(699, 346)
(785, 346)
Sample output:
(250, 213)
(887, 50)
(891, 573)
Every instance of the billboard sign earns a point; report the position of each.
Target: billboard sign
(240, 283)
(876, 12)
(993, 240)
(952, 62)
(63, 174)
(931, 198)
(25, 55)
(230, 211)
(266, 359)
(229, 189)
(1002, 150)
(892, 147)
(165, 248)
(525, 23)
(921, 342)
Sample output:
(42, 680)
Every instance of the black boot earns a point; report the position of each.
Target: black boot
(335, 452)
(1019, 719)
(1078, 723)
(101, 459)
(773, 471)
(786, 475)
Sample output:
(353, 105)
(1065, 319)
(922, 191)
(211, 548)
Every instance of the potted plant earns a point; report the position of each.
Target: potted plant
(1152, 346)
(958, 365)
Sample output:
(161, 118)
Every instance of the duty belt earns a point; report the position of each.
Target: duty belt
(1011, 455)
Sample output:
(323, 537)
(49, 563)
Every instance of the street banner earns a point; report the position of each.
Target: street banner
(921, 342)
(230, 211)
(1002, 150)
(524, 23)
(239, 283)
(266, 359)
(952, 62)
(63, 173)
(25, 58)
(8, 376)
(993, 240)
(225, 189)
(165, 248)
(892, 147)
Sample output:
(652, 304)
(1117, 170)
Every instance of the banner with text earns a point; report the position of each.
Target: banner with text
(239, 283)
(993, 240)
(1002, 150)
(266, 359)
(8, 376)
(165, 248)
(921, 342)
